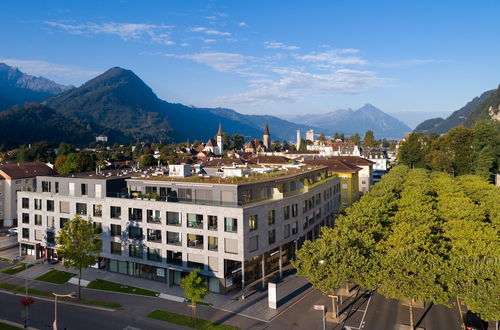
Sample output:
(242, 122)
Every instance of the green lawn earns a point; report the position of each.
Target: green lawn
(43, 293)
(16, 268)
(2, 259)
(186, 321)
(5, 326)
(55, 276)
(117, 287)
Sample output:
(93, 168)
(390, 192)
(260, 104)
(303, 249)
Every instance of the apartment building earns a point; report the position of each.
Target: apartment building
(13, 178)
(236, 229)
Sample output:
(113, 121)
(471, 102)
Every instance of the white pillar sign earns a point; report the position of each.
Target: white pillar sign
(271, 295)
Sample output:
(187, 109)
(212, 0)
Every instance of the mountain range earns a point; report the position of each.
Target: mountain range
(349, 122)
(468, 115)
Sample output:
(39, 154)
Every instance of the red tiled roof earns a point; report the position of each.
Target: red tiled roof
(25, 170)
(354, 160)
(269, 160)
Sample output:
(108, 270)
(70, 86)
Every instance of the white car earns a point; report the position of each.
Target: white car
(12, 232)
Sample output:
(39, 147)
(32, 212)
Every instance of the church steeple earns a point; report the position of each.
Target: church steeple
(266, 138)
(220, 143)
(219, 133)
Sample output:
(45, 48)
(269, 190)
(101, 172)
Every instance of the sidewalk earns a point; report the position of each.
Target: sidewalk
(255, 304)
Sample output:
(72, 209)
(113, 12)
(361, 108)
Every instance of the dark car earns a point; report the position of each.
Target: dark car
(473, 322)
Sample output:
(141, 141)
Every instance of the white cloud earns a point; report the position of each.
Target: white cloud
(242, 24)
(412, 62)
(51, 70)
(209, 41)
(279, 45)
(333, 58)
(210, 31)
(219, 61)
(157, 33)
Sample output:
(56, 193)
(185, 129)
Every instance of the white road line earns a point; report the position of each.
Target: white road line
(366, 309)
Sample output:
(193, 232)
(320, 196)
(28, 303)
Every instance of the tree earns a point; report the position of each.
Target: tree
(369, 140)
(63, 149)
(148, 160)
(276, 146)
(322, 137)
(195, 288)
(79, 245)
(303, 145)
(412, 153)
(237, 141)
(356, 139)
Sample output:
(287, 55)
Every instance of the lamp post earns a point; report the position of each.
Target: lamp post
(70, 295)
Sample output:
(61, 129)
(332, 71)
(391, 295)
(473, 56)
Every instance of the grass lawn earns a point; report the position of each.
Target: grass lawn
(117, 287)
(16, 268)
(2, 259)
(55, 276)
(186, 321)
(5, 326)
(43, 293)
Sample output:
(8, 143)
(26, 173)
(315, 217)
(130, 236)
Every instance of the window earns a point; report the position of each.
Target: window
(195, 241)
(98, 190)
(64, 207)
(62, 222)
(81, 208)
(116, 248)
(154, 235)
(286, 212)
(271, 236)
(295, 228)
(318, 199)
(153, 216)
(26, 233)
(116, 212)
(135, 251)
(38, 219)
(71, 189)
(254, 243)
(134, 214)
(271, 217)
(231, 245)
(173, 218)
(38, 235)
(50, 221)
(173, 238)
(231, 225)
(304, 207)
(246, 195)
(344, 185)
(97, 227)
(50, 205)
(134, 232)
(185, 194)
(195, 220)
(38, 204)
(97, 210)
(306, 223)
(51, 237)
(212, 222)
(26, 218)
(213, 243)
(174, 257)
(154, 254)
(116, 230)
(287, 231)
(56, 187)
(46, 186)
(252, 222)
(26, 203)
(295, 210)
(84, 189)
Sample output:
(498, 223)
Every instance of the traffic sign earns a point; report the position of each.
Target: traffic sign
(319, 307)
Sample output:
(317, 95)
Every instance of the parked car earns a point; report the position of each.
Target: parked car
(472, 321)
(12, 232)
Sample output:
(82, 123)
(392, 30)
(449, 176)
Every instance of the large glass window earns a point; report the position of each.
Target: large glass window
(254, 243)
(134, 214)
(45, 186)
(173, 218)
(286, 231)
(286, 212)
(154, 254)
(26, 218)
(295, 210)
(97, 227)
(116, 230)
(213, 243)
(231, 225)
(116, 212)
(195, 241)
(116, 248)
(62, 222)
(51, 237)
(81, 208)
(195, 220)
(135, 251)
(154, 235)
(134, 232)
(252, 222)
(26, 203)
(173, 238)
(212, 222)
(153, 216)
(26, 233)
(38, 219)
(50, 205)
(97, 210)
(38, 204)
(174, 257)
(271, 217)
(295, 228)
(84, 189)
(185, 194)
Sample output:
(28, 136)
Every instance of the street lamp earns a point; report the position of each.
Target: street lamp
(70, 295)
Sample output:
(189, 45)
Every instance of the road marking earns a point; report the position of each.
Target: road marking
(296, 302)
(366, 309)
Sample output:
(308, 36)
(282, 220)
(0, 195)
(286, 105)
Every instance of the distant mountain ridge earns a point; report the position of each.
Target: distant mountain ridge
(349, 122)
(467, 115)
(118, 99)
(18, 88)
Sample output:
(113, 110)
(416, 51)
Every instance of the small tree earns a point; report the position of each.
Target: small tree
(195, 288)
(79, 245)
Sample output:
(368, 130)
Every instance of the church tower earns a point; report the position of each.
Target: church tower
(267, 138)
(220, 143)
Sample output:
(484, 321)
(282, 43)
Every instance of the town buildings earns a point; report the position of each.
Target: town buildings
(236, 225)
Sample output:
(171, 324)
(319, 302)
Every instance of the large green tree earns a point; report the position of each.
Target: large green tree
(195, 288)
(79, 245)
(369, 140)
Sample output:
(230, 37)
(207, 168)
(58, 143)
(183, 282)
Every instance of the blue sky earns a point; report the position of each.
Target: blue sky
(274, 57)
